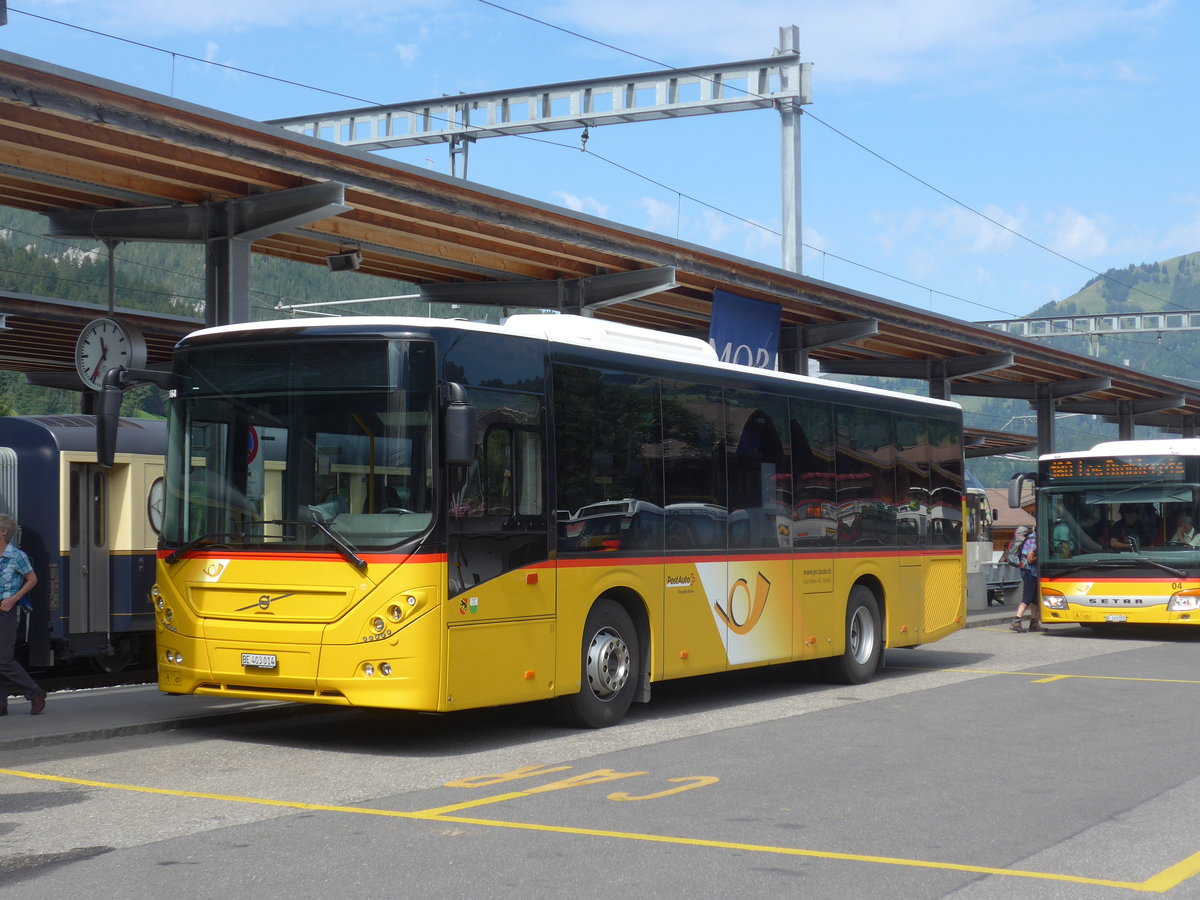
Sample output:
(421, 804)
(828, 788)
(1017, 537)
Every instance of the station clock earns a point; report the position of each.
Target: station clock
(104, 344)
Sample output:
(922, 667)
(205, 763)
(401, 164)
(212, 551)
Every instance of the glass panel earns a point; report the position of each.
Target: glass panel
(506, 479)
(608, 452)
(813, 473)
(99, 511)
(759, 470)
(693, 449)
(946, 483)
(913, 455)
(73, 515)
(865, 478)
(345, 453)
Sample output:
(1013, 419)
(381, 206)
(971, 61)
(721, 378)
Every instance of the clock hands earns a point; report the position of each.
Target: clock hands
(100, 361)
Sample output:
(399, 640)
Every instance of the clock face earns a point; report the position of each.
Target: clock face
(104, 344)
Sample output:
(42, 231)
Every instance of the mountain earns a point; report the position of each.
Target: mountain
(1173, 284)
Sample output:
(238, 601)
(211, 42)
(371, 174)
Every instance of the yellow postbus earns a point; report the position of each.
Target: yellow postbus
(438, 515)
(1117, 538)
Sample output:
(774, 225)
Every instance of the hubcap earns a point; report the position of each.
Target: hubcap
(607, 663)
(862, 635)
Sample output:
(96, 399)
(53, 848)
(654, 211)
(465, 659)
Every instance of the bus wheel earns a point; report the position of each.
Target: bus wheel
(610, 663)
(864, 641)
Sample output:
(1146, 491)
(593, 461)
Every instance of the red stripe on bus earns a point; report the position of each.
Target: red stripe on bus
(380, 558)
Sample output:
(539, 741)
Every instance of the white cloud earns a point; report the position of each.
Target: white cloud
(856, 40)
(1076, 235)
(581, 204)
(407, 52)
(234, 15)
(661, 217)
(950, 228)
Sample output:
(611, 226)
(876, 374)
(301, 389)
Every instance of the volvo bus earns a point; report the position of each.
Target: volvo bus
(1116, 539)
(440, 515)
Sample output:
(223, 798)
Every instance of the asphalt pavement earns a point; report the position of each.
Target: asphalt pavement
(95, 713)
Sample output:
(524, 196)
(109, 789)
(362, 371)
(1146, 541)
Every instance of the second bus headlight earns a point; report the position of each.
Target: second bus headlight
(1053, 599)
(1184, 601)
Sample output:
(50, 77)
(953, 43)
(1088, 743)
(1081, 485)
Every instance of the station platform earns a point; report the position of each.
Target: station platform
(98, 713)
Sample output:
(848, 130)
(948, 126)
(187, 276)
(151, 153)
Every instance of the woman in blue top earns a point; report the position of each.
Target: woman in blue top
(17, 579)
(1029, 586)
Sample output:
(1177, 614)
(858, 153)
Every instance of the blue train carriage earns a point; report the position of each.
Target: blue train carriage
(91, 533)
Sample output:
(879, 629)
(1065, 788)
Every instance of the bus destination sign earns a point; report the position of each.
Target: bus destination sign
(1103, 468)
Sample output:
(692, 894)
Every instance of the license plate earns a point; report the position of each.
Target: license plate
(259, 661)
(1116, 619)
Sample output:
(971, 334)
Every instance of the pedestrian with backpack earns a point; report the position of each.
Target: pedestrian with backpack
(1029, 586)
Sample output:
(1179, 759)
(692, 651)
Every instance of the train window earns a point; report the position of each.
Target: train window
(99, 508)
(73, 518)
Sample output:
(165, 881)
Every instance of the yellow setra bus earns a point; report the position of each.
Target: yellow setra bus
(1117, 533)
(429, 514)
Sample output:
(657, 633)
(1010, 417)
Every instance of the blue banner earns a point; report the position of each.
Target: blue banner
(744, 331)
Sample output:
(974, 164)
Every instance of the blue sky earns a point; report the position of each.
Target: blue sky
(1071, 122)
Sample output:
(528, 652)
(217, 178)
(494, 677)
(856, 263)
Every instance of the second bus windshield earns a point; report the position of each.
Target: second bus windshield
(1156, 521)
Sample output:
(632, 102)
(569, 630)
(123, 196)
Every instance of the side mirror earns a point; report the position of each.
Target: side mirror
(1015, 485)
(458, 417)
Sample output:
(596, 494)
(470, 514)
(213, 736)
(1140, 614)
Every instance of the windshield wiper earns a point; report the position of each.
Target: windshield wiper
(195, 542)
(1119, 564)
(344, 548)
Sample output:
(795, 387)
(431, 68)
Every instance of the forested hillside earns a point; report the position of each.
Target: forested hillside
(166, 278)
(1169, 286)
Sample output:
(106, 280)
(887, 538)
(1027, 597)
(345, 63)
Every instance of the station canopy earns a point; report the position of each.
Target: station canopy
(88, 152)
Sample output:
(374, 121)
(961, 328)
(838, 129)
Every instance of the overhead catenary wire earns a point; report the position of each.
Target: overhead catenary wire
(661, 64)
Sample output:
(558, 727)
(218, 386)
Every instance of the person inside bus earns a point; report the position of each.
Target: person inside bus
(1185, 531)
(1131, 530)
(1062, 539)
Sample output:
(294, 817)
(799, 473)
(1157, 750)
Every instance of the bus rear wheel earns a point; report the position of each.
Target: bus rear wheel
(610, 663)
(864, 641)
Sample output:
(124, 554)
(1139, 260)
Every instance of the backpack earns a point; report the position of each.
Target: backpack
(1012, 553)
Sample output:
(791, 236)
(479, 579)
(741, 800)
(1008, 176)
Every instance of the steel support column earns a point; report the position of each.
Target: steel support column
(227, 229)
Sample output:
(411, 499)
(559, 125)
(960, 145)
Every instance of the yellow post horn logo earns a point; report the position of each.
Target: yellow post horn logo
(754, 605)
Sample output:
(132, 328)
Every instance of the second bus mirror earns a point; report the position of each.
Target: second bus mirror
(459, 419)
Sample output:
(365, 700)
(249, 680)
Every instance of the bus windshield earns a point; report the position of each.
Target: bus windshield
(301, 445)
(1119, 523)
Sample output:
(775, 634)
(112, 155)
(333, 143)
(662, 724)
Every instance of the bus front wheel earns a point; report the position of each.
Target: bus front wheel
(610, 663)
(864, 641)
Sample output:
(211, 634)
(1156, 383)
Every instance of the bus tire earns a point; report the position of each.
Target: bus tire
(610, 660)
(864, 641)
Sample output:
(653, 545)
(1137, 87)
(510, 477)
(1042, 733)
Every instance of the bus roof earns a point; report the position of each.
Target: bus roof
(1156, 447)
(571, 330)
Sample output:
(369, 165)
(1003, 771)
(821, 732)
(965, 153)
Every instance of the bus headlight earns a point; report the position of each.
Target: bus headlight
(1184, 601)
(1053, 599)
(395, 613)
(377, 625)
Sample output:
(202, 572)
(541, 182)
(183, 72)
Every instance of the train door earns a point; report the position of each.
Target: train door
(89, 543)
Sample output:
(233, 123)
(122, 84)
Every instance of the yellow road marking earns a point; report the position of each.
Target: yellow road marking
(1051, 676)
(1161, 882)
